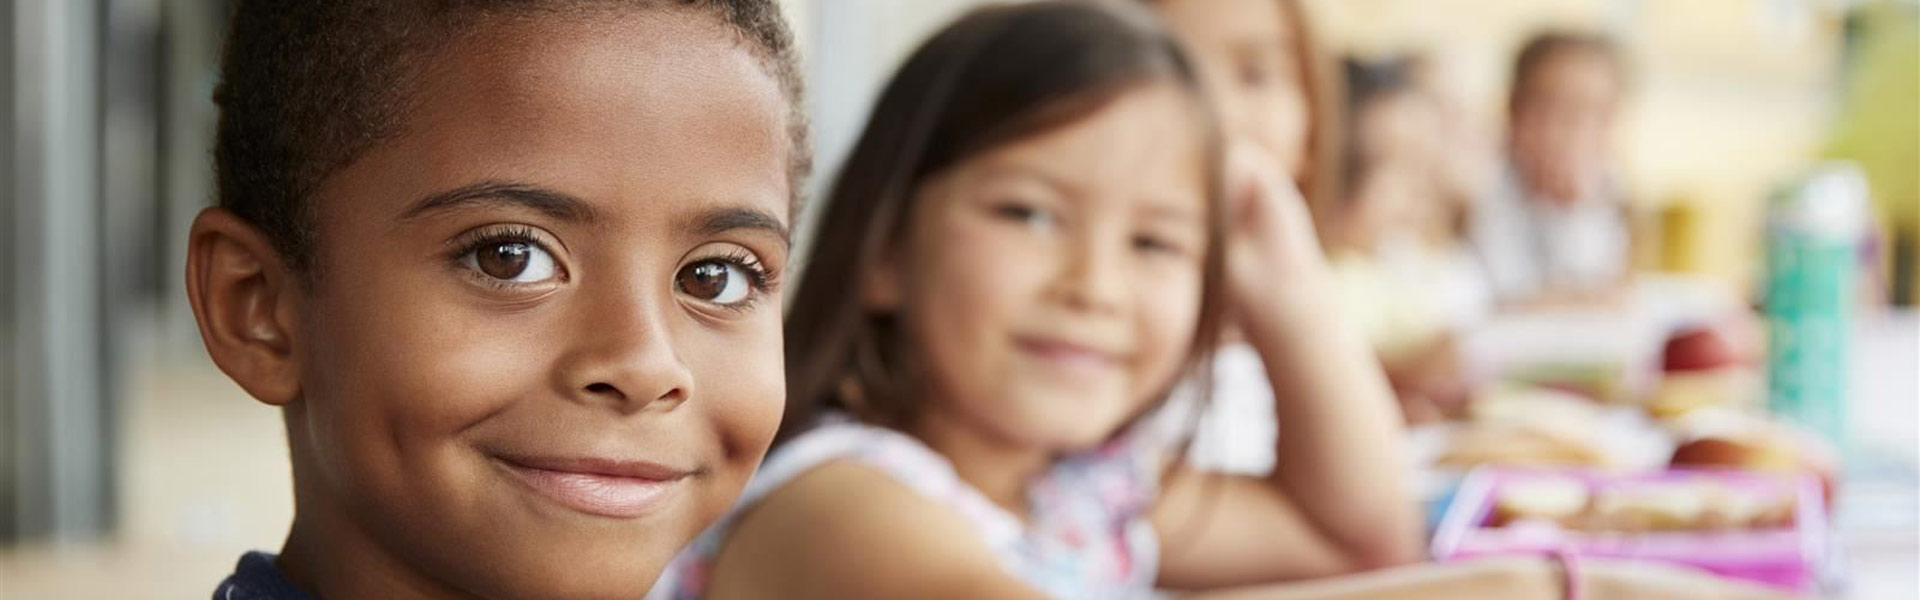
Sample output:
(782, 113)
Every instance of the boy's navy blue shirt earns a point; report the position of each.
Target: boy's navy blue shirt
(256, 578)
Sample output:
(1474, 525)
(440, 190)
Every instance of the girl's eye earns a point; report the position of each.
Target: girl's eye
(1155, 245)
(716, 281)
(1031, 216)
(513, 260)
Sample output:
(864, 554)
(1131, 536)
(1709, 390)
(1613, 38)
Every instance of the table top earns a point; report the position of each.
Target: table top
(1878, 516)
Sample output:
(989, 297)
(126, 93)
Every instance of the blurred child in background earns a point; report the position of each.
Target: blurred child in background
(1406, 279)
(1466, 156)
(1555, 232)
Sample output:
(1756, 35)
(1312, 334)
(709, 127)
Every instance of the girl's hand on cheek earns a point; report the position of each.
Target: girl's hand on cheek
(1274, 260)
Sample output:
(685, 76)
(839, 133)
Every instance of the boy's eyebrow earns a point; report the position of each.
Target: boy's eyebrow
(722, 220)
(558, 205)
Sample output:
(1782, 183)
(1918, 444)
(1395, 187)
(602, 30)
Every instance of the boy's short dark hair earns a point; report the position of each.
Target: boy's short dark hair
(1545, 45)
(307, 86)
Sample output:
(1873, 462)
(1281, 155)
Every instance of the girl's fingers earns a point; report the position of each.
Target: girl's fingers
(1244, 182)
(1260, 196)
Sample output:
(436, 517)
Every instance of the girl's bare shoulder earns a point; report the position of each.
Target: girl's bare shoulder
(846, 530)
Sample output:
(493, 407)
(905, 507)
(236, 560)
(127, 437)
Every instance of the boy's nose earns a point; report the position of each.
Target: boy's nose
(625, 358)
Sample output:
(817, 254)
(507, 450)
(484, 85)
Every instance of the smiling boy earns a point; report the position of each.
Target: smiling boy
(510, 270)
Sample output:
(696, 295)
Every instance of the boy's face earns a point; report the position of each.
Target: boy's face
(539, 358)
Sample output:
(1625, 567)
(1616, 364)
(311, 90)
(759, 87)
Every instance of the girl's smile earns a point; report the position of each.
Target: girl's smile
(1072, 359)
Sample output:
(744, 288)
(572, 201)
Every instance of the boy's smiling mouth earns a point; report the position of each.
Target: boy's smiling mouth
(604, 487)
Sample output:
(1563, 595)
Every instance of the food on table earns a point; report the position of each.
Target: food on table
(1601, 380)
(1682, 505)
(1760, 454)
(1681, 393)
(1702, 367)
(1554, 499)
(1550, 408)
(1521, 446)
(1698, 349)
(1520, 426)
(1766, 528)
(1768, 449)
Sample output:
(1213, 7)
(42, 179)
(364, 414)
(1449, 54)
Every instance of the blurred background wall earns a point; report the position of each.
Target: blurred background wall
(128, 464)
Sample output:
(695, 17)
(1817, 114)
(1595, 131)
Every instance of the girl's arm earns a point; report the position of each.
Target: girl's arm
(1506, 579)
(1338, 498)
(1512, 579)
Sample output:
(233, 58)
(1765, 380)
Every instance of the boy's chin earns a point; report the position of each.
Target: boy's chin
(516, 549)
(567, 569)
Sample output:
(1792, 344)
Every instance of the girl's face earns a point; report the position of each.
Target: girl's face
(1248, 53)
(543, 347)
(1053, 285)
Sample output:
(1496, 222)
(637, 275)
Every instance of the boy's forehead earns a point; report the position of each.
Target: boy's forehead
(626, 112)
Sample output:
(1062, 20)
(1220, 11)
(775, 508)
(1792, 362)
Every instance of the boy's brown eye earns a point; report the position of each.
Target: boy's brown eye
(713, 281)
(512, 256)
(506, 260)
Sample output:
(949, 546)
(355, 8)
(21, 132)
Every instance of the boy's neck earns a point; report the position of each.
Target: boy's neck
(998, 468)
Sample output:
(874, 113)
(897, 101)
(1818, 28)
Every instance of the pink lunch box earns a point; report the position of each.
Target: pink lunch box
(1787, 558)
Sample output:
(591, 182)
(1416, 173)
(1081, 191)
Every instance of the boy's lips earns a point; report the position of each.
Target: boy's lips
(598, 486)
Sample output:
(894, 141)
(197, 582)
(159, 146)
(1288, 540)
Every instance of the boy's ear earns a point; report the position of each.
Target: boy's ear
(246, 301)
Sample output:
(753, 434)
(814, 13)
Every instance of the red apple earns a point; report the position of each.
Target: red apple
(1698, 349)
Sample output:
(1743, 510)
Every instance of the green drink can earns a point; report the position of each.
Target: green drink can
(1814, 230)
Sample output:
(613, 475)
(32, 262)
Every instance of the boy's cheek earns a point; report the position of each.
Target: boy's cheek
(419, 369)
(740, 380)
